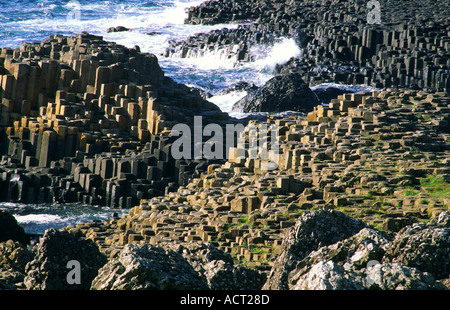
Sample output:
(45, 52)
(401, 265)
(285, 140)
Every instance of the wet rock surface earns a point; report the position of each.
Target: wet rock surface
(282, 93)
(11, 230)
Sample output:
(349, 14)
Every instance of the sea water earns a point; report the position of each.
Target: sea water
(152, 25)
(36, 218)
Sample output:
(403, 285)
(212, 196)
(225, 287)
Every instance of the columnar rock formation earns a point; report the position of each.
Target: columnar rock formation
(361, 179)
(409, 47)
(380, 157)
(87, 120)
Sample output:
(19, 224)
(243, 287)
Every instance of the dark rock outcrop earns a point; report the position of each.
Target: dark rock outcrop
(117, 29)
(325, 95)
(281, 93)
(10, 230)
(241, 86)
(49, 269)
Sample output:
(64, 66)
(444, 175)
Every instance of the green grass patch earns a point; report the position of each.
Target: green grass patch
(436, 186)
(379, 227)
(260, 250)
(243, 220)
(410, 193)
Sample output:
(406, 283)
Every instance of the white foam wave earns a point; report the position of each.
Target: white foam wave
(226, 102)
(35, 219)
(346, 87)
(257, 72)
(38, 219)
(267, 57)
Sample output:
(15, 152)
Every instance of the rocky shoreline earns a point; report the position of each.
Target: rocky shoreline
(359, 199)
(380, 167)
(409, 48)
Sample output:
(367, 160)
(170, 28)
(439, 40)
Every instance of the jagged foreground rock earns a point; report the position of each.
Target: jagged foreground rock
(49, 269)
(327, 275)
(344, 258)
(311, 232)
(147, 267)
(13, 260)
(424, 246)
(347, 264)
(187, 267)
(325, 250)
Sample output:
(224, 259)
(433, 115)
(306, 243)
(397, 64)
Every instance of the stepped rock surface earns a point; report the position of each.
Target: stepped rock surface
(85, 120)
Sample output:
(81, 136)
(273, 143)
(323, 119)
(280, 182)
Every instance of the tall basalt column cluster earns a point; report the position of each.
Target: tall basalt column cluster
(409, 48)
(395, 56)
(75, 109)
